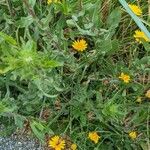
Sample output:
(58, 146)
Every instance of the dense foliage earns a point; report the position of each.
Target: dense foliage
(51, 87)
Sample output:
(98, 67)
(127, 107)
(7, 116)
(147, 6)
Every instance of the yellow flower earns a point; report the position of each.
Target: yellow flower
(139, 99)
(136, 9)
(51, 1)
(148, 94)
(133, 135)
(93, 136)
(80, 45)
(57, 143)
(73, 146)
(126, 78)
(140, 36)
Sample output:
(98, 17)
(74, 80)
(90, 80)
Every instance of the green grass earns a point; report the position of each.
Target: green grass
(48, 88)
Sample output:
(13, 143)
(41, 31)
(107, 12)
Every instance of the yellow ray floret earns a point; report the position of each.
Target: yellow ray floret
(126, 78)
(140, 36)
(57, 143)
(93, 136)
(136, 9)
(80, 45)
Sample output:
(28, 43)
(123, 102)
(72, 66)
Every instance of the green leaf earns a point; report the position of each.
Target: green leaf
(113, 110)
(108, 47)
(8, 38)
(19, 120)
(115, 47)
(51, 64)
(24, 22)
(96, 17)
(32, 3)
(40, 87)
(114, 19)
(144, 146)
(4, 108)
(105, 46)
(83, 119)
(4, 70)
(146, 46)
(70, 23)
(38, 130)
(29, 46)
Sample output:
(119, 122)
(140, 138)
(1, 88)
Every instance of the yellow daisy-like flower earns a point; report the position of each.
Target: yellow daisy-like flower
(51, 1)
(126, 78)
(136, 9)
(57, 143)
(80, 45)
(93, 136)
(140, 36)
(147, 94)
(73, 146)
(133, 135)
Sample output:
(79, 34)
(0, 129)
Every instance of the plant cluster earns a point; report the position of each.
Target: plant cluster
(76, 73)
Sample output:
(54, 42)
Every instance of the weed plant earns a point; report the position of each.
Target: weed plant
(75, 70)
